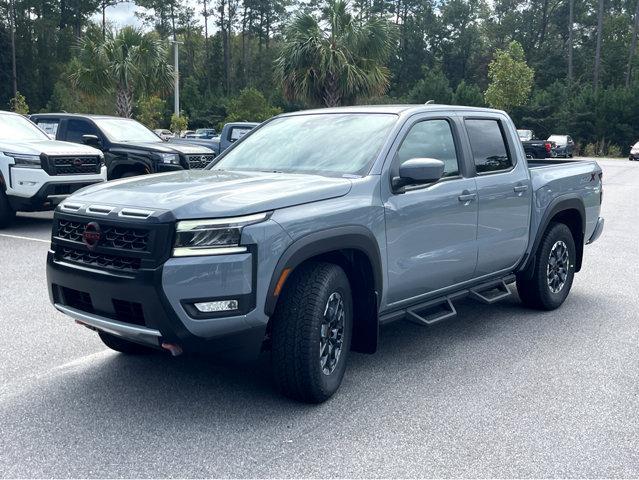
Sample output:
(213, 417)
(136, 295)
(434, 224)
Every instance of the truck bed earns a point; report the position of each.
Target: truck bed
(553, 178)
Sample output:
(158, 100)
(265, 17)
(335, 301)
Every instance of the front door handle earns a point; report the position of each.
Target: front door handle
(467, 197)
(520, 188)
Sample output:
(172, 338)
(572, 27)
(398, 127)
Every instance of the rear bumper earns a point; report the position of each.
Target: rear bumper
(598, 231)
(148, 307)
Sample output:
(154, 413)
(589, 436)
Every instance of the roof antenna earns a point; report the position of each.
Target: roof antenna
(429, 102)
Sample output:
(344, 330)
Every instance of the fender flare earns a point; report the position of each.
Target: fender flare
(325, 241)
(135, 160)
(558, 205)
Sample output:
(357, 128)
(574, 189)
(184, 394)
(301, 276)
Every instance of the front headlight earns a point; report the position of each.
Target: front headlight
(170, 158)
(212, 237)
(25, 161)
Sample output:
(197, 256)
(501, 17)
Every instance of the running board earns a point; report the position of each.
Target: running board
(432, 312)
(490, 293)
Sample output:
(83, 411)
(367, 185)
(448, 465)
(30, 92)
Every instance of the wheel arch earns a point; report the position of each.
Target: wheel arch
(353, 248)
(118, 167)
(570, 211)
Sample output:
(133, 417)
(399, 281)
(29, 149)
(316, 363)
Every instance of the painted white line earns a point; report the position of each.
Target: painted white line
(20, 237)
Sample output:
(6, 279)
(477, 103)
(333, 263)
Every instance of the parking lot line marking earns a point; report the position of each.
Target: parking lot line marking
(20, 237)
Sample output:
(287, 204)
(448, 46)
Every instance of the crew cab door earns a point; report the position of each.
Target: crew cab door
(430, 229)
(504, 194)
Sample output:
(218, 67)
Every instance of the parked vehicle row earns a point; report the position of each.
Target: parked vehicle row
(231, 132)
(37, 173)
(304, 248)
(129, 147)
(554, 146)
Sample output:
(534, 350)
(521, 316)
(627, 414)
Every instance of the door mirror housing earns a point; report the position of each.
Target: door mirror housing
(91, 140)
(418, 171)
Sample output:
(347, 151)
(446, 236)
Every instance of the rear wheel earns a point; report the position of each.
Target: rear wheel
(547, 282)
(124, 346)
(312, 328)
(7, 214)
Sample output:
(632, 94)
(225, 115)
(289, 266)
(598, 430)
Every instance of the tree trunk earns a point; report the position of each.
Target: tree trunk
(14, 75)
(332, 97)
(633, 46)
(124, 101)
(597, 69)
(103, 5)
(205, 14)
(571, 20)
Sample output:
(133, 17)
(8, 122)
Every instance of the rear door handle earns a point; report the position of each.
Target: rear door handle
(467, 197)
(520, 188)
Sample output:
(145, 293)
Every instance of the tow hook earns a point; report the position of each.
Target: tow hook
(171, 347)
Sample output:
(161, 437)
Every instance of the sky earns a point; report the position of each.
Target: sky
(123, 14)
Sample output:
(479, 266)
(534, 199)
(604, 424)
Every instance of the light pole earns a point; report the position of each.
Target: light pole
(176, 71)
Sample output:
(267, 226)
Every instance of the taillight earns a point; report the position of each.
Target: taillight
(548, 147)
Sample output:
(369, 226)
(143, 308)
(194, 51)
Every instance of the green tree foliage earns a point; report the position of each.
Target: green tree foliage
(128, 64)
(250, 106)
(336, 64)
(19, 105)
(151, 111)
(179, 123)
(511, 79)
(454, 40)
(434, 86)
(469, 95)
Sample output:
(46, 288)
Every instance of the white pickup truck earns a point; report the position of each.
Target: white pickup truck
(37, 173)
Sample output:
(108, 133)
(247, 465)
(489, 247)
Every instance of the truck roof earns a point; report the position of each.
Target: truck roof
(81, 115)
(395, 109)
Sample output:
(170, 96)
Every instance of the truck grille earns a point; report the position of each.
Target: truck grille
(74, 165)
(102, 260)
(128, 312)
(199, 161)
(77, 299)
(123, 238)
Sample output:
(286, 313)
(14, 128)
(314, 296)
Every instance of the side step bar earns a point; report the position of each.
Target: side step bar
(431, 313)
(490, 293)
(441, 308)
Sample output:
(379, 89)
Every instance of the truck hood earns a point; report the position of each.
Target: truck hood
(214, 193)
(165, 147)
(49, 147)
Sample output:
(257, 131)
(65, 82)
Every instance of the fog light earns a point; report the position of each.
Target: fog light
(219, 306)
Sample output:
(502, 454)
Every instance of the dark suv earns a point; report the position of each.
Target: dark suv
(129, 147)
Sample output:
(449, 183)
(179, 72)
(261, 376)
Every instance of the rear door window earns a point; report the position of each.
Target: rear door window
(488, 143)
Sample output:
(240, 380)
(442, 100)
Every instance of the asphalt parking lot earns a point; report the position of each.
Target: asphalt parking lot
(499, 391)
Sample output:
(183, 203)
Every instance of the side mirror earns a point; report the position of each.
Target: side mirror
(418, 171)
(91, 140)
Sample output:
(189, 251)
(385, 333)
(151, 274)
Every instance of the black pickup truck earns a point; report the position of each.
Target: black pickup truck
(129, 147)
(535, 148)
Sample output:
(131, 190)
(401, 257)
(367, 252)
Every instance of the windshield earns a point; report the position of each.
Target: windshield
(18, 128)
(525, 135)
(561, 139)
(337, 144)
(125, 130)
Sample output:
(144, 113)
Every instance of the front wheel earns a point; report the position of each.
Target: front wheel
(547, 282)
(311, 335)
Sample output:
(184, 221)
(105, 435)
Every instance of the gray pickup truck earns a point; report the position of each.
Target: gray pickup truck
(302, 247)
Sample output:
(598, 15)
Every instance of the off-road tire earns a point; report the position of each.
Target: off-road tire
(297, 332)
(533, 284)
(7, 214)
(124, 346)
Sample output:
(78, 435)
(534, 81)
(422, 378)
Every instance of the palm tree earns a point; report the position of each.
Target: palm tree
(129, 63)
(335, 59)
